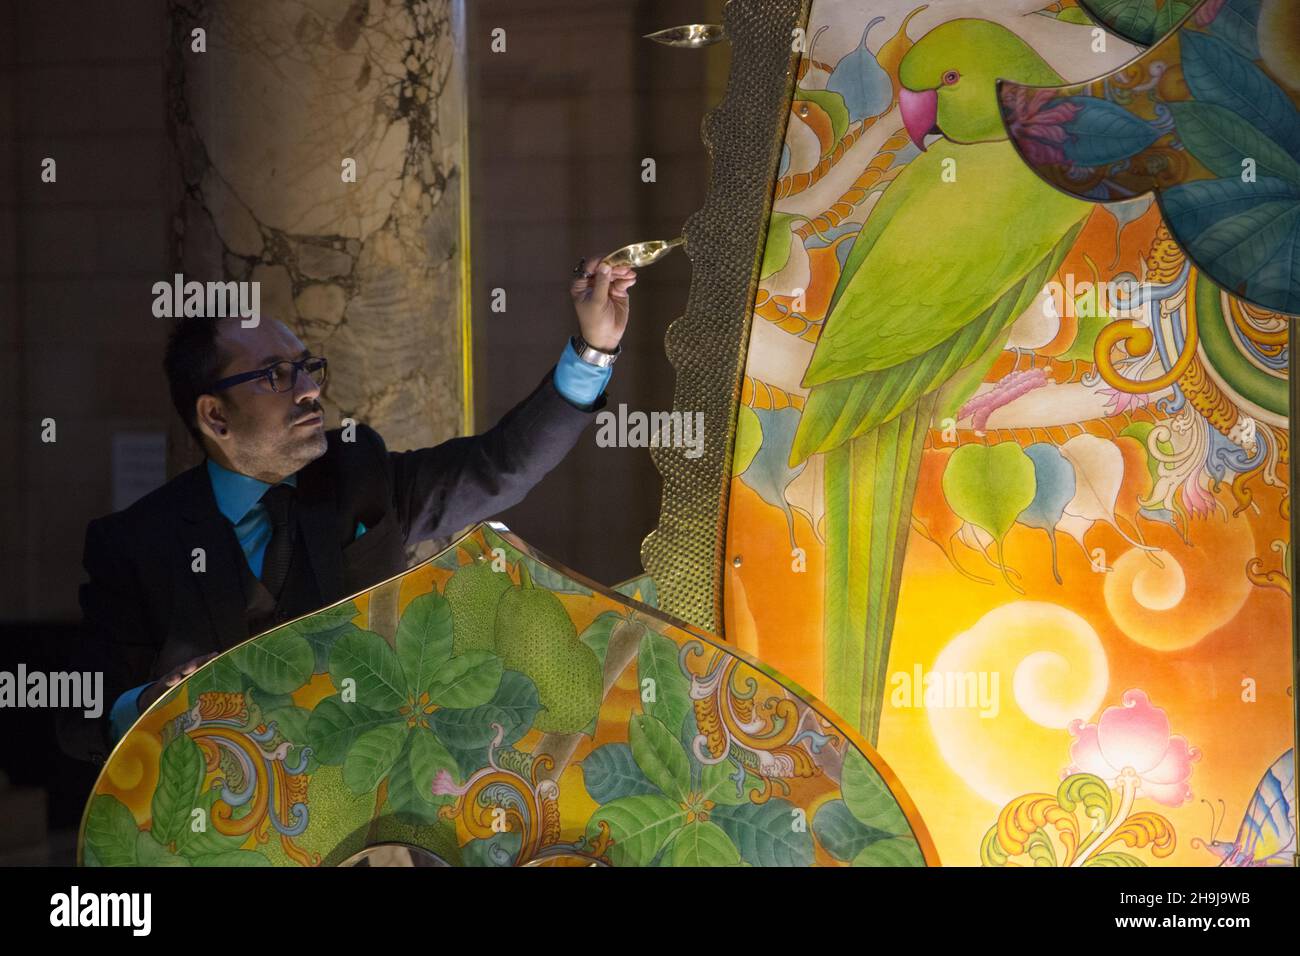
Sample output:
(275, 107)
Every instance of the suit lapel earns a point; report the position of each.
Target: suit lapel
(203, 526)
(318, 520)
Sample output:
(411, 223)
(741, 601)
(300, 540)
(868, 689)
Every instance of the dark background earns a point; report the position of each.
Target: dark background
(558, 130)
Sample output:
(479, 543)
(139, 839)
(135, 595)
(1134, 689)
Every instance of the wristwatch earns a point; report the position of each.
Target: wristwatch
(592, 355)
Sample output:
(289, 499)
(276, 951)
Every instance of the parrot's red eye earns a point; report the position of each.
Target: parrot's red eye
(951, 77)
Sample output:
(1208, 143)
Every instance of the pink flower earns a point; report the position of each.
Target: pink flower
(1037, 128)
(1135, 739)
(444, 785)
(1205, 16)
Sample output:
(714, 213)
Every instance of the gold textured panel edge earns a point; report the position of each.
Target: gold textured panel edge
(707, 345)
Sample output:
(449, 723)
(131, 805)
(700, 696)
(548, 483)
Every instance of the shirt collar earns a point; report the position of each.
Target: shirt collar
(236, 494)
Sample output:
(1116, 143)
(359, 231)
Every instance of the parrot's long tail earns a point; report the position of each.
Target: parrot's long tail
(870, 482)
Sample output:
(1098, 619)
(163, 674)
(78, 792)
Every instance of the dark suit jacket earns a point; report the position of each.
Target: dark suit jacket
(146, 612)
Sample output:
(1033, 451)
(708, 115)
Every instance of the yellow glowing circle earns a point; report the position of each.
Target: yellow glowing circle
(1043, 666)
(1159, 588)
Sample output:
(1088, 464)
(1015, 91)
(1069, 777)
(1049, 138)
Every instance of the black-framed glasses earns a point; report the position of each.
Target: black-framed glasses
(283, 375)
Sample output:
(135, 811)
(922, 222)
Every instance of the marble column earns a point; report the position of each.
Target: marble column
(369, 273)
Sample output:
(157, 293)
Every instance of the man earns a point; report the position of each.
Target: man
(283, 517)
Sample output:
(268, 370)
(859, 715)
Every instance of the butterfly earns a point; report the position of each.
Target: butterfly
(1267, 833)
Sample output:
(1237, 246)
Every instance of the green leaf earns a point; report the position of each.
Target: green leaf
(867, 797)
(371, 756)
(328, 619)
(659, 756)
(702, 844)
(466, 681)
(895, 851)
(149, 852)
(190, 843)
(410, 784)
(639, 825)
(657, 661)
(989, 485)
(279, 662)
(180, 776)
(1132, 19)
(111, 832)
(610, 773)
(598, 632)
(427, 756)
(232, 858)
(1221, 140)
(1113, 858)
(291, 723)
(219, 675)
(766, 833)
(424, 640)
(366, 658)
(715, 781)
(334, 725)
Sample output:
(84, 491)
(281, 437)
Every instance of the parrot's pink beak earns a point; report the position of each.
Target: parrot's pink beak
(920, 113)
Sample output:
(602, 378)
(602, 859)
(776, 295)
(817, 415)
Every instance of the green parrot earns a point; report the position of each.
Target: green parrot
(958, 246)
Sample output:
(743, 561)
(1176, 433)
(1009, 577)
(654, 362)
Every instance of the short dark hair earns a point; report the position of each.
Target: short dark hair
(192, 362)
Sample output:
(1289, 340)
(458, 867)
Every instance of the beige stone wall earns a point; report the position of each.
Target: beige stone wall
(366, 272)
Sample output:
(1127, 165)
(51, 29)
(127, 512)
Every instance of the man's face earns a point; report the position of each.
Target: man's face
(259, 431)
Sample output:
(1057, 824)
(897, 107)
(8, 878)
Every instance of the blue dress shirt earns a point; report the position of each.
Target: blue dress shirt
(239, 498)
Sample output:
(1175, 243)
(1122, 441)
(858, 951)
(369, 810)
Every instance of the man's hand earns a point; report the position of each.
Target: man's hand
(602, 303)
(168, 681)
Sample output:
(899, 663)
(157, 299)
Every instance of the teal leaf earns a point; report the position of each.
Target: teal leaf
(1222, 141)
(1102, 132)
(766, 833)
(111, 831)
(334, 725)
(371, 756)
(1193, 207)
(639, 825)
(180, 776)
(1255, 253)
(841, 833)
(513, 706)
(1218, 74)
(500, 849)
(659, 755)
(644, 585)
(610, 773)
(366, 658)
(424, 640)
(1238, 23)
(279, 662)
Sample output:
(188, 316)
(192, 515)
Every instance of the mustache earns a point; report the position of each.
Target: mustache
(310, 413)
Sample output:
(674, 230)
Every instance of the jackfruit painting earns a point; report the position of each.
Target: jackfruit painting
(500, 712)
(1011, 463)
